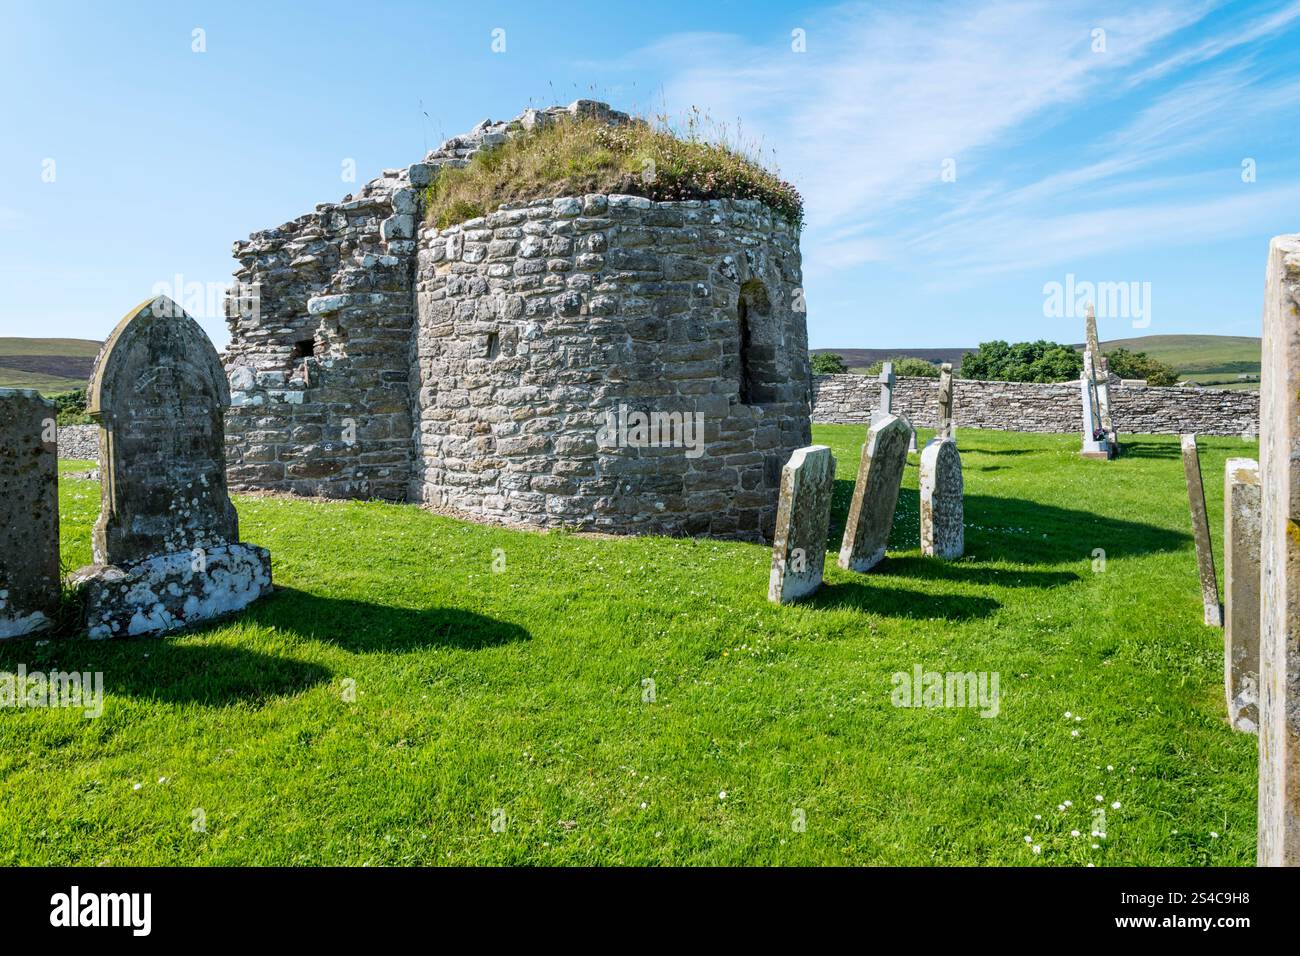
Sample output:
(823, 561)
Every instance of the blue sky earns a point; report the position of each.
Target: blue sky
(955, 158)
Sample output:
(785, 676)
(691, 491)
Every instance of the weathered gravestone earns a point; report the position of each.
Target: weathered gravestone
(1201, 533)
(1241, 592)
(942, 506)
(166, 545)
(802, 521)
(875, 494)
(946, 427)
(1279, 634)
(29, 513)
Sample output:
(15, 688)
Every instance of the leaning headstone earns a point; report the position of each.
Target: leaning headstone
(875, 494)
(1201, 533)
(166, 545)
(29, 513)
(942, 506)
(802, 521)
(1241, 592)
(946, 428)
(1279, 634)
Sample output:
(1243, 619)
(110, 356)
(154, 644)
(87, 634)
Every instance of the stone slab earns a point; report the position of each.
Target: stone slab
(942, 500)
(1201, 533)
(1279, 636)
(1241, 592)
(802, 522)
(29, 513)
(159, 393)
(875, 494)
(169, 592)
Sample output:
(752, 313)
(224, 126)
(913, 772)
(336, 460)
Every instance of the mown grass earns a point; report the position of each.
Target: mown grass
(580, 155)
(520, 693)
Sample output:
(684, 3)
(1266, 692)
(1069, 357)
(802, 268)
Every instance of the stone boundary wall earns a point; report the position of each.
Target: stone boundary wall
(1034, 407)
(79, 441)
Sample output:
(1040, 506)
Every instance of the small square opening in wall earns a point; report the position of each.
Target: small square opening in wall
(305, 348)
(493, 345)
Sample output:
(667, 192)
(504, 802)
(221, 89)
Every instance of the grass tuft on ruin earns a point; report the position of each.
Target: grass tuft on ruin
(575, 156)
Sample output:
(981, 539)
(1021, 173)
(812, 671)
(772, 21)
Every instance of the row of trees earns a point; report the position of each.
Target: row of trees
(1040, 361)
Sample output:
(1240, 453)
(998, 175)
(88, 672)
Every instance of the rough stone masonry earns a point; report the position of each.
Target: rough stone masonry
(29, 513)
(478, 368)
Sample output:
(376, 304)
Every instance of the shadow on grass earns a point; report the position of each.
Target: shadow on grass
(1015, 529)
(173, 671)
(366, 628)
(899, 602)
(1145, 448)
(932, 569)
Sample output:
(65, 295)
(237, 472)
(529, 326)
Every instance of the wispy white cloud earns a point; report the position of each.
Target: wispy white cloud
(864, 120)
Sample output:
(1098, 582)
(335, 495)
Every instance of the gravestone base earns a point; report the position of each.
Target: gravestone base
(166, 593)
(1100, 450)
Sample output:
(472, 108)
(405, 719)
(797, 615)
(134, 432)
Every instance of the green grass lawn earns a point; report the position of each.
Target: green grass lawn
(518, 696)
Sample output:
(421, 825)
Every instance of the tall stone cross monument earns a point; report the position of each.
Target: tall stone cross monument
(945, 401)
(1099, 438)
(884, 408)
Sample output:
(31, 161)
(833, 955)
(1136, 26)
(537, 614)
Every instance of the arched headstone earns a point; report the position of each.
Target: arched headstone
(166, 545)
(159, 394)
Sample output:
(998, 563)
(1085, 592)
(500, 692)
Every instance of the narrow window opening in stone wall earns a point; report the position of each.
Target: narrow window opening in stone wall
(493, 345)
(759, 374)
(303, 349)
(746, 373)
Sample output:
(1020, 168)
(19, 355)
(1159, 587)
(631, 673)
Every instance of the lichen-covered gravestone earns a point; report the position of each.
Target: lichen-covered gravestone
(29, 513)
(942, 506)
(1241, 592)
(1279, 632)
(802, 521)
(166, 545)
(875, 494)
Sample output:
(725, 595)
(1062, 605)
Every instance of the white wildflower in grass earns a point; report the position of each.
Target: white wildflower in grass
(1074, 733)
(1096, 846)
(1068, 715)
(1109, 768)
(722, 795)
(1077, 719)
(1069, 803)
(1037, 848)
(1074, 833)
(1115, 805)
(1099, 798)
(1213, 835)
(1029, 839)
(1038, 816)
(1060, 806)
(136, 786)
(1092, 864)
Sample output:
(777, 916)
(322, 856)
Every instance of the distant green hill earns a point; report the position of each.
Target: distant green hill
(48, 365)
(1217, 360)
(1208, 359)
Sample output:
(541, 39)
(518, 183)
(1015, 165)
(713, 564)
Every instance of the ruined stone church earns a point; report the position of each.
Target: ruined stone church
(488, 368)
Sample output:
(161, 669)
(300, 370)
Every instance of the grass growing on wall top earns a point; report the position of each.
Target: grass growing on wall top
(521, 695)
(579, 155)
